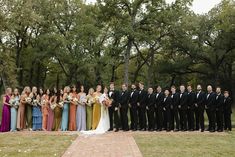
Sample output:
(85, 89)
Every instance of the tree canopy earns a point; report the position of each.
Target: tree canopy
(60, 42)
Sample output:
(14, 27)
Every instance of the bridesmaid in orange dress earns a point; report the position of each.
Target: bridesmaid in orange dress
(21, 123)
(45, 109)
(72, 109)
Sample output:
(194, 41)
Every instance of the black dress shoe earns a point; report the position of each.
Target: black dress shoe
(212, 130)
(176, 130)
(134, 130)
(110, 130)
(116, 130)
(202, 130)
(144, 129)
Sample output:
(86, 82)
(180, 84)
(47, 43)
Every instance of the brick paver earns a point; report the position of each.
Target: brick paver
(111, 144)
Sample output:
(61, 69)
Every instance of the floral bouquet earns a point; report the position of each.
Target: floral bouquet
(107, 102)
(12, 102)
(69, 98)
(35, 102)
(61, 104)
(43, 102)
(53, 106)
(90, 101)
(75, 100)
(28, 100)
(83, 101)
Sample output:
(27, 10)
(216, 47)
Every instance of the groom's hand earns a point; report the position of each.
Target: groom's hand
(116, 108)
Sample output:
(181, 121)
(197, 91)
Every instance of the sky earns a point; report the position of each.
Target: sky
(199, 6)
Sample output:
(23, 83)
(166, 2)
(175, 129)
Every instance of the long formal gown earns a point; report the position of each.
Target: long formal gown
(37, 116)
(14, 109)
(104, 124)
(96, 112)
(50, 118)
(29, 116)
(58, 116)
(72, 114)
(81, 113)
(45, 111)
(21, 114)
(90, 101)
(6, 116)
(65, 116)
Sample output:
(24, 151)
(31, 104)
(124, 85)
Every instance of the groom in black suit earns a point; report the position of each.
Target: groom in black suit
(113, 110)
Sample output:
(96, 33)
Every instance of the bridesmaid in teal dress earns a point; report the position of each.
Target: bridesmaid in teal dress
(65, 113)
(15, 101)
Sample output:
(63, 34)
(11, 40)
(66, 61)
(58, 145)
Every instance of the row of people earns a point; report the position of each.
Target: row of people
(69, 110)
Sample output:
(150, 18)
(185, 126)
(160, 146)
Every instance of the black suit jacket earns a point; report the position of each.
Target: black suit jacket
(191, 100)
(142, 98)
(219, 101)
(210, 101)
(124, 98)
(159, 99)
(228, 105)
(200, 100)
(134, 98)
(184, 101)
(151, 100)
(175, 100)
(115, 96)
(167, 103)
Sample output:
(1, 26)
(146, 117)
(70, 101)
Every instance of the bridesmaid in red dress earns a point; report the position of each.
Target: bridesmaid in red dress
(6, 112)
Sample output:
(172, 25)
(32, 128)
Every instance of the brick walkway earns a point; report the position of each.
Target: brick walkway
(107, 145)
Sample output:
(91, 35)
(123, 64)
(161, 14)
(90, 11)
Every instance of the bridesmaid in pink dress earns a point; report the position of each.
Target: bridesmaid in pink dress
(6, 112)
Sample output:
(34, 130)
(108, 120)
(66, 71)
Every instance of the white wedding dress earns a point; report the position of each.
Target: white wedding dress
(104, 123)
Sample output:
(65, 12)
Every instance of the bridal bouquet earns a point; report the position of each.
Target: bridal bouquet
(83, 101)
(53, 106)
(28, 100)
(107, 102)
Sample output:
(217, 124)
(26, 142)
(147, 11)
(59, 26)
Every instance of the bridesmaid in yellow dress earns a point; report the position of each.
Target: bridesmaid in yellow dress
(89, 108)
(96, 107)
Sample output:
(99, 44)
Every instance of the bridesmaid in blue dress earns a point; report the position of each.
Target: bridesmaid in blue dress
(65, 113)
(37, 114)
(15, 101)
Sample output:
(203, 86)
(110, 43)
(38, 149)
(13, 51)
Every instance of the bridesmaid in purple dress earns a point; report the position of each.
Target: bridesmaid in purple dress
(6, 112)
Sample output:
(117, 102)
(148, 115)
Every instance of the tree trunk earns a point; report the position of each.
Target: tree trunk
(126, 60)
(150, 70)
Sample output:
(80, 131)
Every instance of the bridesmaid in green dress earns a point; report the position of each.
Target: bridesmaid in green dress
(89, 108)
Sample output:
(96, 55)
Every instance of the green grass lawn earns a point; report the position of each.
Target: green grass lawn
(187, 144)
(34, 144)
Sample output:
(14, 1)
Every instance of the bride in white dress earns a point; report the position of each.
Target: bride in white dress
(104, 124)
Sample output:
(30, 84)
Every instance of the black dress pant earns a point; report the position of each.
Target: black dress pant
(174, 119)
(227, 120)
(124, 117)
(159, 117)
(151, 120)
(167, 117)
(211, 118)
(219, 119)
(183, 119)
(199, 116)
(190, 114)
(142, 116)
(134, 117)
(113, 115)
